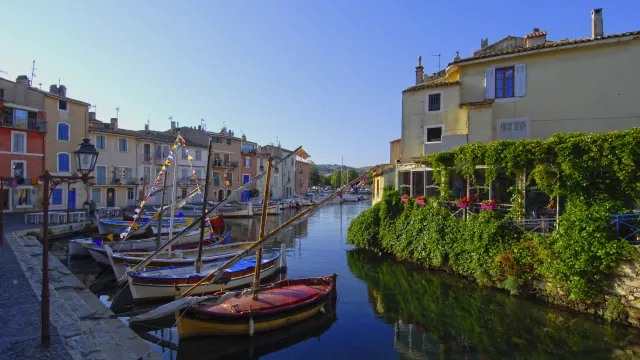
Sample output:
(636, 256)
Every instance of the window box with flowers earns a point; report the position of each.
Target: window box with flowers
(488, 204)
(463, 203)
(420, 200)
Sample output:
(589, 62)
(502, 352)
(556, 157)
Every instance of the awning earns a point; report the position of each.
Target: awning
(303, 154)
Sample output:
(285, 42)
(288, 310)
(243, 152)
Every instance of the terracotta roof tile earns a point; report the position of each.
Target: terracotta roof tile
(551, 44)
(478, 103)
(432, 84)
(535, 34)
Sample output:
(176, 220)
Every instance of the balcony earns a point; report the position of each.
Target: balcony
(123, 181)
(146, 158)
(233, 164)
(219, 163)
(30, 124)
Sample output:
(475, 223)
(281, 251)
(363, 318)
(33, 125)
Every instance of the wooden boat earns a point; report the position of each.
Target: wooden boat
(276, 305)
(257, 346)
(172, 281)
(112, 226)
(237, 212)
(78, 247)
(271, 210)
(121, 261)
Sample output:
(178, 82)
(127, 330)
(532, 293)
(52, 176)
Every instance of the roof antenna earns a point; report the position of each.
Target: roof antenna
(439, 67)
(203, 125)
(33, 72)
(118, 112)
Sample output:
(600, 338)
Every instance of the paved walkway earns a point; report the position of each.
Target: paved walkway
(20, 316)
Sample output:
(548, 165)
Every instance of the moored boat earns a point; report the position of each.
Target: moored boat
(172, 281)
(121, 261)
(275, 305)
(112, 226)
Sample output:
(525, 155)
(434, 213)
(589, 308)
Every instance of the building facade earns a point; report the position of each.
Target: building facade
(249, 166)
(68, 123)
(23, 129)
(283, 175)
(522, 88)
(302, 178)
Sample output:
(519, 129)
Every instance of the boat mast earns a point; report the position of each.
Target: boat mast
(263, 222)
(164, 188)
(204, 209)
(173, 192)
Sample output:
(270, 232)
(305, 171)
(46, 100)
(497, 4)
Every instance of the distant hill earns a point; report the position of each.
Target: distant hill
(327, 169)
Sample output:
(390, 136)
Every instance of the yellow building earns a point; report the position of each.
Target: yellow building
(68, 123)
(522, 88)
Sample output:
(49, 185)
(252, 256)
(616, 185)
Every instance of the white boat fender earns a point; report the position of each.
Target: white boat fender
(251, 326)
(322, 310)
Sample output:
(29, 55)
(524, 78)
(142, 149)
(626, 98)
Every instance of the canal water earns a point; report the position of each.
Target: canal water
(388, 310)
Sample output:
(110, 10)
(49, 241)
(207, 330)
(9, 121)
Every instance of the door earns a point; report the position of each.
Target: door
(245, 178)
(220, 195)
(111, 197)
(72, 199)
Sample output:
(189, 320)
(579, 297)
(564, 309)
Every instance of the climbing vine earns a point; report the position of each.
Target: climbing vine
(597, 174)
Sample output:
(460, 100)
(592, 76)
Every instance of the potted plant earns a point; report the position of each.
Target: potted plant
(420, 200)
(488, 204)
(463, 203)
(405, 198)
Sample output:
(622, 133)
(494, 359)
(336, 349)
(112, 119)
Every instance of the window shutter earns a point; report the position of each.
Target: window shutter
(489, 83)
(14, 197)
(32, 198)
(521, 80)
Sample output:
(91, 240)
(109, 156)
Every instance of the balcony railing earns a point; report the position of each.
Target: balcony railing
(123, 181)
(233, 164)
(146, 158)
(30, 124)
(223, 164)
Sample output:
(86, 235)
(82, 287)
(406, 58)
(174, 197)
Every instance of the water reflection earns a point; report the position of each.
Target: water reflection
(437, 316)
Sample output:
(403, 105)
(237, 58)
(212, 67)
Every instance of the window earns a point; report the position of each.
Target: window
(245, 178)
(433, 134)
(514, 129)
(185, 175)
(24, 196)
(198, 155)
(101, 175)
(228, 141)
(146, 153)
(292, 160)
(18, 168)
(247, 162)
(2, 96)
(198, 173)
(130, 194)
(147, 174)
(123, 144)
(275, 180)
(230, 178)
(184, 193)
(63, 131)
(56, 197)
(20, 119)
(184, 154)
(64, 162)
(101, 142)
(96, 195)
(63, 105)
(433, 101)
(505, 82)
(216, 178)
(18, 142)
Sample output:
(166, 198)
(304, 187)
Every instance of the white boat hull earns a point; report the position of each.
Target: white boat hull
(146, 292)
(77, 247)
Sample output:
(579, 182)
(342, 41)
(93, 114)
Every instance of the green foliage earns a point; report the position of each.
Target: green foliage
(615, 310)
(314, 175)
(348, 176)
(597, 174)
(254, 193)
(335, 179)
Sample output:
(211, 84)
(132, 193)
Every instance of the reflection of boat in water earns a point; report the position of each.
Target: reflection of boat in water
(260, 344)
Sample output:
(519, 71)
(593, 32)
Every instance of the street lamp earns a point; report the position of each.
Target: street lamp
(86, 156)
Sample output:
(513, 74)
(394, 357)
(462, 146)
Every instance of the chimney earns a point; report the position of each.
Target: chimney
(536, 37)
(244, 137)
(484, 43)
(173, 125)
(22, 86)
(146, 127)
(597, 29)
(62, 91)
(53, 89)
(114, 123)
(92, 115)
(419, 72)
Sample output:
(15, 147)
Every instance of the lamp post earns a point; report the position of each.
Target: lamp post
(86, 156)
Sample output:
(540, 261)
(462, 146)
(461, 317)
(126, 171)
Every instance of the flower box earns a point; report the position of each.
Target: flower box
(488, 205)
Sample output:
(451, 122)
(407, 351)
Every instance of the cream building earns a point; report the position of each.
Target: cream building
(525, 87)
(68, 123)
(283, 176)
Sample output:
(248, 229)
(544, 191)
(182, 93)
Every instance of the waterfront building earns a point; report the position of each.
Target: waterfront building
(23, 128)
(517, 88)
(249, 161)
(302, 177)
(282, 180)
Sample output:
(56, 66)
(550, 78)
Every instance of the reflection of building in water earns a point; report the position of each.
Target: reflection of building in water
(302, 229)
(412, 342)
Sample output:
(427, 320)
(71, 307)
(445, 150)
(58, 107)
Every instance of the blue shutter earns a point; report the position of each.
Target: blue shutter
(63, 163)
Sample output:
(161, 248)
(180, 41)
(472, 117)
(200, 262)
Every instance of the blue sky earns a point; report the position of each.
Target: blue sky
(327, 75)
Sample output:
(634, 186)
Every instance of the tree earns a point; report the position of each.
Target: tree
(326, 180)
(335, 178)
(314, 176)
(349, 175)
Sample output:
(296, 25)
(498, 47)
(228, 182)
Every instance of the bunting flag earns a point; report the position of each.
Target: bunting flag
(226, 179)
(110, 237)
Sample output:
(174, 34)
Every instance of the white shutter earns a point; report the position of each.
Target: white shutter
(32, 198)
(521, 80)
(489, 83)
(14, 197)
